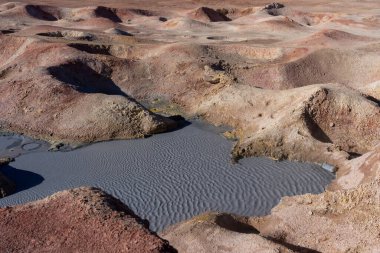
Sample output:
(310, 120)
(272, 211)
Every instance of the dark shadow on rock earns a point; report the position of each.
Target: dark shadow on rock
(230, 223)
(85, 79)
(221, 65)
(121, 32)
(274, 9)
(213, 15)
(373, 99)
(108, 13)
(38, 13)
(57, 34)
(22, 178)
(293, 247)
(216, 37)
(353, 155)
(91, 49)
(8, 31)
(315, 130)
(181, 122)
(142, 12)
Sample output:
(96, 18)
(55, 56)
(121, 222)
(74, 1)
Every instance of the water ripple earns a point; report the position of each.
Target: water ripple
(171, 177)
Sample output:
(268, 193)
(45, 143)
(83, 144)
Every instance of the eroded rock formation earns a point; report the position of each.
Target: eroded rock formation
(296, 81)
(79, 220)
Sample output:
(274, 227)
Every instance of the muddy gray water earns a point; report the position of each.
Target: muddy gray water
(165, 178)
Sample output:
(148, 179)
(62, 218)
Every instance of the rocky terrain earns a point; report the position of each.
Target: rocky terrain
(69, 108)
(297, 80)
(313, 80)
(79, 220)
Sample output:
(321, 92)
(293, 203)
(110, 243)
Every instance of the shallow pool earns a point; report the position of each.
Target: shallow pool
(165, 178)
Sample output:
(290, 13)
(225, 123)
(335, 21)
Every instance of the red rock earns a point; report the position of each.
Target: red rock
(79, 220)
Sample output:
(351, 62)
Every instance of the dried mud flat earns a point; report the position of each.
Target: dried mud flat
(297, 81)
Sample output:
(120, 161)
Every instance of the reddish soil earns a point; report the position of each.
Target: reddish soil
(79, 220)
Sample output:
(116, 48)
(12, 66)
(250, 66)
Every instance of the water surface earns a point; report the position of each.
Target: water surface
(165, 178)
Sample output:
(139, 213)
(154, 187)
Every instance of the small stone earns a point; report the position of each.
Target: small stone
(274, 6)
(56, 146)
(6, 160)
(328, 167)
(212, 79)
(332, 124)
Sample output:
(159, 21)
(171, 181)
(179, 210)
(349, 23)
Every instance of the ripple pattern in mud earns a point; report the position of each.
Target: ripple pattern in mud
(173, 176)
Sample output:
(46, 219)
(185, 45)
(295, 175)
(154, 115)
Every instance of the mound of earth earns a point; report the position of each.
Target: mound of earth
(7, 187)
(320, 123)
(353, 68)
(184, 23)
(81, 220)
(206, 14)
(219, 232)
(73, 97)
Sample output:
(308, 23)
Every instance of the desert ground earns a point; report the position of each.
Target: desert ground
(291, 81)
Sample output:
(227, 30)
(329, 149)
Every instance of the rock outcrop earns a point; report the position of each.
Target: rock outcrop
(75, 100)
(206, 14)
(274, 5)
(79, 220)
(295, 123)
(340, 221)
(218, 232)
